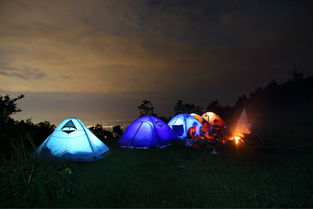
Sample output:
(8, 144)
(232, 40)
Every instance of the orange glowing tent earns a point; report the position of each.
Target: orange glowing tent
(211, 116)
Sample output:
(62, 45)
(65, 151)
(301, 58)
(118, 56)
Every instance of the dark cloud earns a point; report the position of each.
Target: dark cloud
(22, 73)
(113, 54)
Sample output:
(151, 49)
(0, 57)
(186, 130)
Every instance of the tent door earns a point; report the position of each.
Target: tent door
(178, 130)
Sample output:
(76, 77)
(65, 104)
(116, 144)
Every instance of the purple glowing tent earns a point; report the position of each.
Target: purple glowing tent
(146, 132)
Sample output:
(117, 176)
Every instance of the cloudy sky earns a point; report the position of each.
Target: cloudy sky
(98, 59)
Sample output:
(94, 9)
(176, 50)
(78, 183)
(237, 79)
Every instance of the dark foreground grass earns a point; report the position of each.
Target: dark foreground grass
(181, 177)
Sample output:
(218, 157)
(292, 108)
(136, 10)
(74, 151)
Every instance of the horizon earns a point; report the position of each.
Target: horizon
(108, 124)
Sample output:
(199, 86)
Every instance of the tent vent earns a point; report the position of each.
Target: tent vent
(69, 127)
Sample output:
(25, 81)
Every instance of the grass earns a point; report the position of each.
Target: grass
(27, 181)
(177, 177)
(181, 177)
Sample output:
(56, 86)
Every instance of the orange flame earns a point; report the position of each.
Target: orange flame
(238, 138)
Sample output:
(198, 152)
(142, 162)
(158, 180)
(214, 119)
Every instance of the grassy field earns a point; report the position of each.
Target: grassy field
(177, 177)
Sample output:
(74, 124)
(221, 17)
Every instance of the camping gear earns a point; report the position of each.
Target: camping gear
(211, 116)
(146, 132)
(181, 123)
(72, 140)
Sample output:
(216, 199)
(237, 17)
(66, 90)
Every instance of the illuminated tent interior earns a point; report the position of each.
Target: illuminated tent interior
(146, 132)
(72, 140)
(181, 123)
(198, 117)
(211, 116)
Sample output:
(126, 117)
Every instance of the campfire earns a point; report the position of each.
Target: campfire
(239, 138)
(242, 129)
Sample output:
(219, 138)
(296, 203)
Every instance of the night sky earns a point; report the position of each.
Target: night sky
(97, 60)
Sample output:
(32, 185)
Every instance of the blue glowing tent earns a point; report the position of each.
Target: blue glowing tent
(72, 140)
(146, 132)
(181, 123)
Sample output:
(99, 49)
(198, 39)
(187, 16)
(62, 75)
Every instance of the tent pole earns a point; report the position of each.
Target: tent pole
(131, 141)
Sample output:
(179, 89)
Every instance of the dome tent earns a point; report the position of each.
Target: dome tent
(72, 140)
(146, 132)
(198, 117)
(211, 116)
(181, 123)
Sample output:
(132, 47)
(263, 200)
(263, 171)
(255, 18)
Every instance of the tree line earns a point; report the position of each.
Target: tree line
(275, 105)
(288, 103)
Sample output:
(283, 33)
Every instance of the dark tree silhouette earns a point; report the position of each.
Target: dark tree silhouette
(146, 109)
(214, 106)
(297, 76)
(241, 101)
(12, 131)
(181, 107)
(117, 131)
(8, 107)
(104, 135)
(41, 131)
